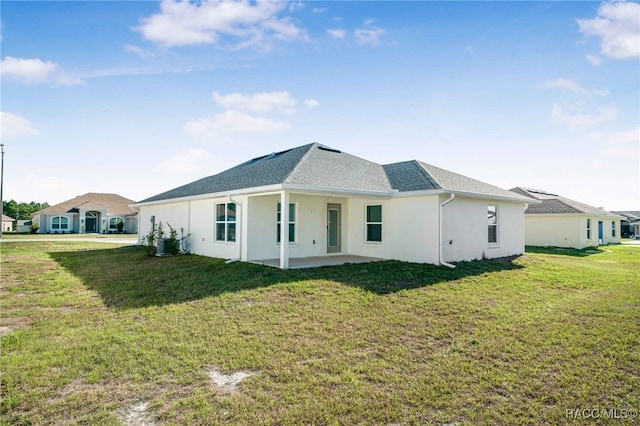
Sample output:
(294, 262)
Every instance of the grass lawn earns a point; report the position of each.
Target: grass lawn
(101, 334)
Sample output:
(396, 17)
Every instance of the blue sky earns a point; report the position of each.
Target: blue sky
(139, 97)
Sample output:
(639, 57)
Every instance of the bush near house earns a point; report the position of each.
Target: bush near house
(166, 340)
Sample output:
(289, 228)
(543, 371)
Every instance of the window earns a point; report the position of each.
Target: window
(613, 228)
(374, 224)
(113, 223)
(588, 229)
(492, 221)
(292, 223)
(226, 222)
(60, 223)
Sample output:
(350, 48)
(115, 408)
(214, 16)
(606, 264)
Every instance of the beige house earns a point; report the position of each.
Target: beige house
(556, 221)
(339, 208)
(91, 213)
(7, 223)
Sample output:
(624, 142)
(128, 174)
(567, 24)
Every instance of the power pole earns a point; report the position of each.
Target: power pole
(1, 184)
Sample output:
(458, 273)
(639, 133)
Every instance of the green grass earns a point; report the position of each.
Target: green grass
(96, 331)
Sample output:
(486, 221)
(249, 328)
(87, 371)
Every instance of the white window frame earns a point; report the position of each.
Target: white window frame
(367, 223)
(613, 229)
(60, 228)
(293, 222)
(226, 222)
(495, 224)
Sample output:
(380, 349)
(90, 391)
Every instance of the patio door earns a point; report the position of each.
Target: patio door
(334, 225)
(600, 231)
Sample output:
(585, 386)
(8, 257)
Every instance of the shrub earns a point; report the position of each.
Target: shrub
(34, 227)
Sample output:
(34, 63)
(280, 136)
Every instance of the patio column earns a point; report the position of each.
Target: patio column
(284, 230)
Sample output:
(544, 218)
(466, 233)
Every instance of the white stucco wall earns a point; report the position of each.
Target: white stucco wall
(465, 230)
(568, 231)
(409, 229)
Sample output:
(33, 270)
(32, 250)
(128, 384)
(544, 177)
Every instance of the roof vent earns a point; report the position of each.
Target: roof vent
(324, 148)
(268, 156)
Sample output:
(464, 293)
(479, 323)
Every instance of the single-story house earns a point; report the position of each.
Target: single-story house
(7, 223)
(90, 213)
(23, 226)
(630, 225)
(557, 221)
(325, 203)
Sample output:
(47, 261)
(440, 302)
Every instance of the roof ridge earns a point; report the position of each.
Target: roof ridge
(426, 173)
(304, 157)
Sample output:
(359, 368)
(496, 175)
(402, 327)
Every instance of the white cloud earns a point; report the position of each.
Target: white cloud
(185, 163)
(564, 84)
(185, 23)
(369, 35)
(258, 102)
(337, 33)
(232, 121)
(311, 103)
(618, 26)
(595, 60)
(14, 126)
(143, 53)
(35, 71)
(604, 115)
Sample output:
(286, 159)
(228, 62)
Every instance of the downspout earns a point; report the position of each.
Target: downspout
(440, 259)
(238, 231)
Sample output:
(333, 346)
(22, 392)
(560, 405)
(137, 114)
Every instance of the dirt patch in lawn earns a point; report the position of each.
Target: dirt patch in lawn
(11, 324)
(227, 383)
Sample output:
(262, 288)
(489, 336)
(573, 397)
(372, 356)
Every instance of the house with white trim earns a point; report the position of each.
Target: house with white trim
(7, 223)
(557, 221)
(339, 206)
(91, 213)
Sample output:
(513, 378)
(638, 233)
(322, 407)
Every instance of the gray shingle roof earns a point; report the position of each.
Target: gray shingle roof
(318, 166)
(451, 181)
(331, 168)
(261, 171)
(556, 204)
(409, 176)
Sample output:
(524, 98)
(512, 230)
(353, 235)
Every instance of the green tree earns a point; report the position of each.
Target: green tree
(22, 211)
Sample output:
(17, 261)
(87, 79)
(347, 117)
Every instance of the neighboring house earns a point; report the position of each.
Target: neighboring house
(339, 204)
(7, 223)
(23, 226)
(630, 225)
(87, 214)
(557, 221)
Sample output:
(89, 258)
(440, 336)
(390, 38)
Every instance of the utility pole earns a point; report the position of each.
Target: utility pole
(1, 183)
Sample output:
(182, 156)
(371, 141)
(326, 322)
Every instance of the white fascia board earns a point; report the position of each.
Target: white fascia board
(223, 194)
(338, 191)
(514, 199)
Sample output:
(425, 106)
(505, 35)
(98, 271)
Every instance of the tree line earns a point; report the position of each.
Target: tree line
(22, 211)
